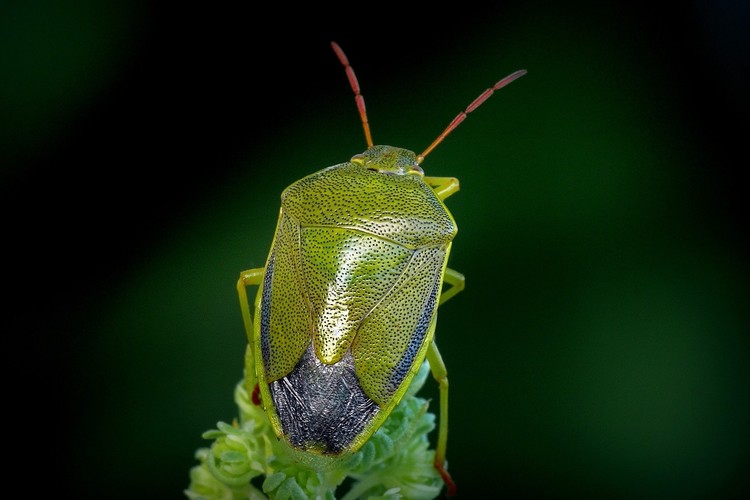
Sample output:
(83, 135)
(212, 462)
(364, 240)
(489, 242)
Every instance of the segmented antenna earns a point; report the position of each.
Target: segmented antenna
(474, 105)
(355, 87)
(450, 128)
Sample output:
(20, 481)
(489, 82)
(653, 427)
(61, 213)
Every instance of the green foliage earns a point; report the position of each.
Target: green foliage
(247, 461)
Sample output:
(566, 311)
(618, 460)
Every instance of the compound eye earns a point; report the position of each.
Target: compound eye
(359, 159)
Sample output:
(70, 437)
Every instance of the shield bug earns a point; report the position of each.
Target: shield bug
(346, 307)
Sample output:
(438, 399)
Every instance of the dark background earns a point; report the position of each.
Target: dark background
(600, 347)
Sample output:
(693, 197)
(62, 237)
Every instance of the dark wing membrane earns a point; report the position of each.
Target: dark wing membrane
(321, 407)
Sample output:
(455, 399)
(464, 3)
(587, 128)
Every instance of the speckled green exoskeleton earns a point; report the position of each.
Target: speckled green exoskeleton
(347, 302)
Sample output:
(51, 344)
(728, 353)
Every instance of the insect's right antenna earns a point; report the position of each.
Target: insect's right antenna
(474, 105)
(355, 87)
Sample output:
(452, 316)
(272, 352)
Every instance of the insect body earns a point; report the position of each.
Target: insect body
(347, 303)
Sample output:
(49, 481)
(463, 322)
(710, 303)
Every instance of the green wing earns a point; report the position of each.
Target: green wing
(394, 336)
(283, 318)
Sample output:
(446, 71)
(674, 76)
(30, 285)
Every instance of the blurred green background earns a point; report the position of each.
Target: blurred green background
(600, 348)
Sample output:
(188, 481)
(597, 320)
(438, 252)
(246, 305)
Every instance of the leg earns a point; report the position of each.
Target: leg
(441, 375)
(456, 281)
(252, 277)
(443, 186)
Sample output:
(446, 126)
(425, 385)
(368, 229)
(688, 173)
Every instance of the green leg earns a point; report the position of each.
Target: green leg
(441, 375)
(443, 186)
(456, 281)
(252, 277)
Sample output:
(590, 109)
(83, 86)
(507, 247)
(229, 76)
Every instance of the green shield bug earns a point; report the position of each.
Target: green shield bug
(346, 306)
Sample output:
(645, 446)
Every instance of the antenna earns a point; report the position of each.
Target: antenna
(474, 105)
(450, 128)
(355, 87)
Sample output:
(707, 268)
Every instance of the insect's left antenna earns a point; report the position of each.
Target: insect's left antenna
(355, 87)
(471, 107)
